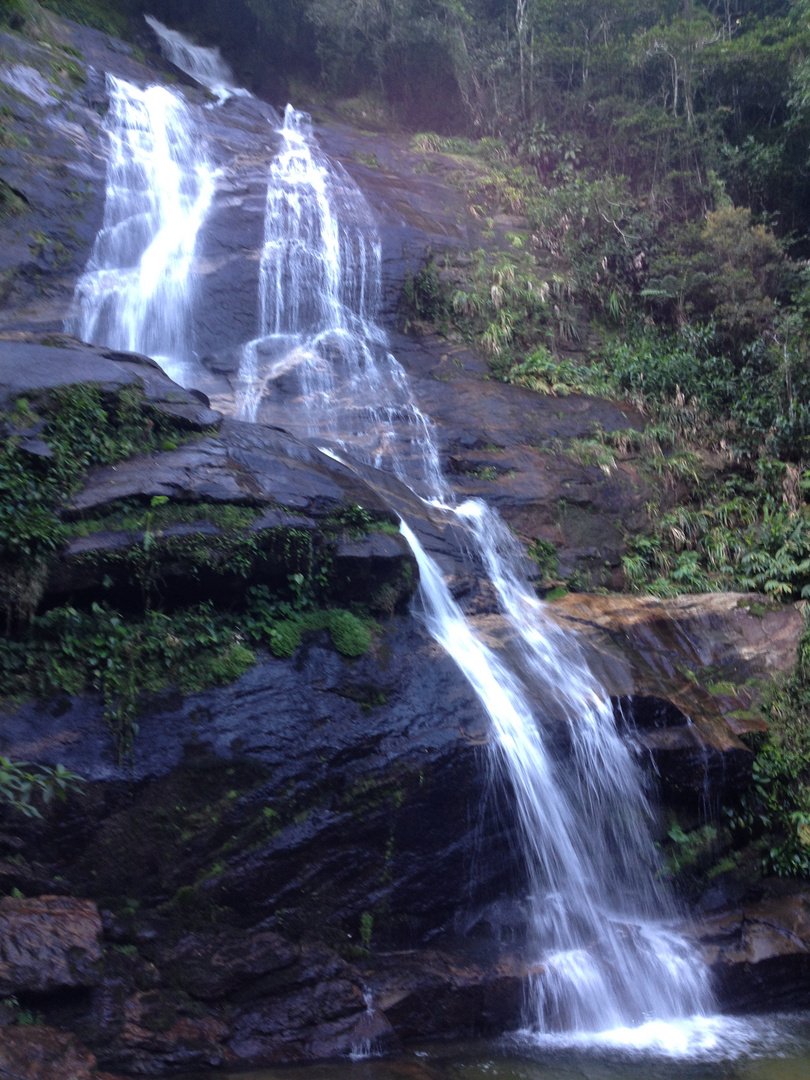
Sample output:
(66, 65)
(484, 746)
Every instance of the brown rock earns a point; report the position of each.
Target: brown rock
(324, 1020)
(321, 1012)
(42, 1053)
(211, 965)
(707, 654)
(760, 954)
(433, 992)
(155, 1036)
(48, 943)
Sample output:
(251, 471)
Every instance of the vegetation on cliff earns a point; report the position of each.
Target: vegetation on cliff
(639, 172)
(121, 631)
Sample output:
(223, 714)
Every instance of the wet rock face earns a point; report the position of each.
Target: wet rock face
(760, 954)
(217, 963)
(270, 1001)
(41, 1053)
(48, 944)
(280, 836)
(687, 675)
(483, 427)
(292, 487)
(326, 799)
(310, 791)
(684, 756)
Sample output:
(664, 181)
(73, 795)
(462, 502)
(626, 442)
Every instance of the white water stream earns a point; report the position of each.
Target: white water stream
(137, 292)
(201, 63)
(609, 967)
(598, 914)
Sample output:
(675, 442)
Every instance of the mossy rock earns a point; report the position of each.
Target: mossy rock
(350, 636)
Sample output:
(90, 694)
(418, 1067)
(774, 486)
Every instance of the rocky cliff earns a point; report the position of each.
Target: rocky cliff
(308, 853)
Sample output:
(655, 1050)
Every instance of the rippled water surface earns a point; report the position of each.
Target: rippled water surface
(747, 1048)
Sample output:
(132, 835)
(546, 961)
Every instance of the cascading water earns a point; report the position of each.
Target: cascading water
(318, 347)
(204, 65)
(320, 361)
(137, 291)
(599, 916)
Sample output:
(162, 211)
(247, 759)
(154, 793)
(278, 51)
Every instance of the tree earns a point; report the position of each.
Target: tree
(682, 42)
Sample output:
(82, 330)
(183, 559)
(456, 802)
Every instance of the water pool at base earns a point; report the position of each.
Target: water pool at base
(740, 1048)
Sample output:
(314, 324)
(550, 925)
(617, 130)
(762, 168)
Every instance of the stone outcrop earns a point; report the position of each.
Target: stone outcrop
(323, 792)
(47, 944)
(759, 954)
(42, 1053)
(688, 675)
(484, 428)
(291, 485)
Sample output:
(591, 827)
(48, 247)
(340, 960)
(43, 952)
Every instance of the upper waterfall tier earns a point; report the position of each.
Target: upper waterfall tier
(137, 292)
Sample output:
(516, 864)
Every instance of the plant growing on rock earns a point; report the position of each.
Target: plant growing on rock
(776, 807)
(350, 635)
(22, 785)
(49, 446)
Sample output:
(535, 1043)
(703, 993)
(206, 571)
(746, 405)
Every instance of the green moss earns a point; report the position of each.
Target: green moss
(15, 14)
(367, 695)
(226, 667)
(125, 656)
(366, 928)
(349, 635)
(544, 554)
(11, 204)
(388, 528)
(94, 13)
(67, 650)
(724, 687)
(485, 472)
(285, 637)
(356, 522)
(128, 517)
(686, 850)
(84, 425)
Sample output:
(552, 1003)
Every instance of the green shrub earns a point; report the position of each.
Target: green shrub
(84, 426)
(543, 373)
(226, 667)
(95, 13)
(776, 806)
(23, 785)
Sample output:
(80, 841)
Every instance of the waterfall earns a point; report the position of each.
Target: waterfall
(137, 291)
(319, 350)
(204, 65)
(604, 955)
(600, 937)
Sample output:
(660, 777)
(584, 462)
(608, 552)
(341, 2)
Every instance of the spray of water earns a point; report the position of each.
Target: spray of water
(320, 359)
(204, 65)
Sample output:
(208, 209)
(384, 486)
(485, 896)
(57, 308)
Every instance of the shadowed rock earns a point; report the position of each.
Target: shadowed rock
(48, 943)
